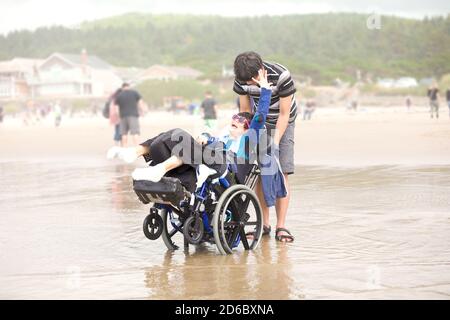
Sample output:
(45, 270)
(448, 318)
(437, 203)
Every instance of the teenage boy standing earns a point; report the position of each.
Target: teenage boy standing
(280, 123)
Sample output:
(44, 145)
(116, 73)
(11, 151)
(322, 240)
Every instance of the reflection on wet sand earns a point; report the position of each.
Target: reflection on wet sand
(120, 186)
(367, 232)
(202, 274)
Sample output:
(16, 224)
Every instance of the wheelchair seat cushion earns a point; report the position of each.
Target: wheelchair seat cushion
(168, 190)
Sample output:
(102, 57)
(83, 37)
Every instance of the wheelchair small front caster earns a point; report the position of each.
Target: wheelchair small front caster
(153, 225)
(193, 230)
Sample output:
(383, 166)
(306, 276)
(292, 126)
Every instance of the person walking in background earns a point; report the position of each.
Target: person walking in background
(193, 108)
(354, 104)
(57, 113)
(114, 117)
(408, 102)
(310, 106)
(209, 111)
(111, 112)
(1, 114)
(281, 117)
(433, 95)
(129, 102)
(447, 95)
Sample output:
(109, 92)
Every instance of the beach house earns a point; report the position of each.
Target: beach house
(73, 76)
(166, 73)
(14, 77)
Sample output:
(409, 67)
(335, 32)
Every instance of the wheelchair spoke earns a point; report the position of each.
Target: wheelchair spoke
(244, 239)
(233, 236)
(230, 224)
(235, 204)
(245, 203)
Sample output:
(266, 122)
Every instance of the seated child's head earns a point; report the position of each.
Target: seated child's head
(240, 123)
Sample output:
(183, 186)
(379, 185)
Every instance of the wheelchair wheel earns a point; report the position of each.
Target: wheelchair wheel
(172, 233)
(193, 230)
(153, 225)
(238, 214)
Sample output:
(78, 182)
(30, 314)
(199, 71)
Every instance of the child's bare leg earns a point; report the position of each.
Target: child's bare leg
(141, 150)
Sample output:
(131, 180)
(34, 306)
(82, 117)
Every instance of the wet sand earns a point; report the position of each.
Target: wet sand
(370, 211)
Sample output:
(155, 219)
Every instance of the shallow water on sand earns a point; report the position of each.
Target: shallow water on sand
(73, 229)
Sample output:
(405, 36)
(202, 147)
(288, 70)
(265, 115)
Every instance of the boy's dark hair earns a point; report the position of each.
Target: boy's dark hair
(247, 65)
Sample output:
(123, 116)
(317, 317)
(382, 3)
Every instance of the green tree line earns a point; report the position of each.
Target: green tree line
(320, 46)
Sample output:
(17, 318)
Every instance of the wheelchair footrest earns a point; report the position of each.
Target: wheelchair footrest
(168, 191)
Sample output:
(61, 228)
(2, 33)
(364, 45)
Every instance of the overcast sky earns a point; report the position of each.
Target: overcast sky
(30, 14)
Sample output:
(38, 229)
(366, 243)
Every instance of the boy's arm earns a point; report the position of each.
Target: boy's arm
(244, 99)
(286, 90)
(283, 118)
(244, 102)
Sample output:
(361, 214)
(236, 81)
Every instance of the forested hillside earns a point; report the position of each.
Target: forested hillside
(322, 46)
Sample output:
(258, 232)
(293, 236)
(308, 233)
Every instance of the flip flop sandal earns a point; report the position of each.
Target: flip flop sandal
(284, 238)
(266, 231)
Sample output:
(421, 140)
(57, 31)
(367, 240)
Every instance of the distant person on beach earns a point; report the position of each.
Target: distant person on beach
(433, 95)
(1, 114)
(408, 102)
(310, 107)
(57, 114)
(354, 104)
(280, 123)
(112, 113)
(209, 111)
(129, 102)
(447, 95)
(192, 108)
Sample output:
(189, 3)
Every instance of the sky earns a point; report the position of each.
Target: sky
(31, 14)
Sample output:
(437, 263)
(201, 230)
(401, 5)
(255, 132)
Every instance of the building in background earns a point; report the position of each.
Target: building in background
(129, 75)
(166, 73)
(67, 76)
(73, 76)
(15, 75)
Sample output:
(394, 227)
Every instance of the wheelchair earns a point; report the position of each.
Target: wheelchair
(220, 211)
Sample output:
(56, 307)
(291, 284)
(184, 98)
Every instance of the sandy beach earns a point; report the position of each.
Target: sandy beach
(335, 137)
(367, 202)
(369, 210)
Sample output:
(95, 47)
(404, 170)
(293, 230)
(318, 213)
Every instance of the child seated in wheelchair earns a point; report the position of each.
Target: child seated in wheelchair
(176, 153)
(207, 210)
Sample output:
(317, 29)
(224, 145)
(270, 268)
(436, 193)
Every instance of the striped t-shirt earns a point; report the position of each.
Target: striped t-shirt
(283, 86)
